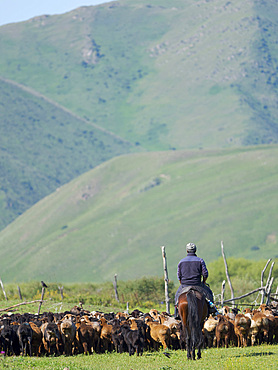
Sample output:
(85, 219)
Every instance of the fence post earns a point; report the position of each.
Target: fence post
(61, 288)
(115, 288)
(227, 273)
(262, 280)
(167, 299)
(42, 296)
(2, 286)
(19, 293)
(269, 291)
(269, 275)
(223, 292)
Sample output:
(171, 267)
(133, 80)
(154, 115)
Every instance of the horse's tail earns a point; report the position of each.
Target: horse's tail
(193, 321)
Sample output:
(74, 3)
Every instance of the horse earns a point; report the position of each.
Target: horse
(193, 310)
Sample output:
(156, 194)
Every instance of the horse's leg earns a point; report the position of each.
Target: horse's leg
(199, 353)
(199, 348)
(193, 353)
(188, 345)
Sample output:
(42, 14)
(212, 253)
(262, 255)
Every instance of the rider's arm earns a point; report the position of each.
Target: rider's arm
(204, 271)
(179, 273)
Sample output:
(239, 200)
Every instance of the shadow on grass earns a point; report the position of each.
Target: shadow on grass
(256, 354)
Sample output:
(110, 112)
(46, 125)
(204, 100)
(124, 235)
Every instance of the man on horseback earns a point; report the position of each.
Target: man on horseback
(191, 270)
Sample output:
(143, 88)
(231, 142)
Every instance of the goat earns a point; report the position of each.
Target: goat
(25, 334)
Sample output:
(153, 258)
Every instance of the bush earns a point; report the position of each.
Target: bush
(147, 292)
(245, 276)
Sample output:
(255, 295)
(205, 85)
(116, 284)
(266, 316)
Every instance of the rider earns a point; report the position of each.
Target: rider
(190, 271)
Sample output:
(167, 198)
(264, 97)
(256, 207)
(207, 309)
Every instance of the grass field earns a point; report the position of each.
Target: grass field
(264, 356)
(258, 357)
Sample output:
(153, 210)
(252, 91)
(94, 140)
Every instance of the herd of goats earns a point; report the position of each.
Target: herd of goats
(81, 331)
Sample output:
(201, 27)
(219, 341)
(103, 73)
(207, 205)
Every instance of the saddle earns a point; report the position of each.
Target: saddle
(198, 290)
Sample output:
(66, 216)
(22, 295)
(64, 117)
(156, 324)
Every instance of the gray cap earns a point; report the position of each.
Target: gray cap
(191, 247)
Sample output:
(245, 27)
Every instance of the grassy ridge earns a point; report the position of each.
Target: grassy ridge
(114, 218)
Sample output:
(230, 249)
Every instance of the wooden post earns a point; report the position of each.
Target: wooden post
(2, 286)
(268, 292)
(19, 304)
(43, 290)
(227, 273)
(262, 280)
(269, 275)
(19, 293)
(115, 288)
(167, 299)
(242, 296)
(223, 292)
(61, 288)
(127, 307)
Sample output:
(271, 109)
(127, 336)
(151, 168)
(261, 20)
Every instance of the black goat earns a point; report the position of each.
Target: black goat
(25, 333)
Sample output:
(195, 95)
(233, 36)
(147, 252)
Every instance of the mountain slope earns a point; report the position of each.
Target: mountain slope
(43, 147)
(157, 75)
(179, 74)
(114, 218)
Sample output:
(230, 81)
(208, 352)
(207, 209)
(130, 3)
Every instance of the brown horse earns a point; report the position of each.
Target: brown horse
(193, 310)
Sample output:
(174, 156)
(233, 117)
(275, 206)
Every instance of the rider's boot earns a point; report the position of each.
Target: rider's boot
(176, 314)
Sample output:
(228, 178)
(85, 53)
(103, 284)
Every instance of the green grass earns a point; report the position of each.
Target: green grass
(115, 218)
(264, 356)
(143, 294)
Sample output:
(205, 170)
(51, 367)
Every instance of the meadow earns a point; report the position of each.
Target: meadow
(264, 356)
(144, 294)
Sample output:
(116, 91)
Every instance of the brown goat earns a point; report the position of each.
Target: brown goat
(68, 334)
(106, 335)
(50, 338)
(242, 328)
(224, 331)
(159, 333)
(259, 328)
(36, 347)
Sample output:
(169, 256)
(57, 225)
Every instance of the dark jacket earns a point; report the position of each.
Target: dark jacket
(191, 269)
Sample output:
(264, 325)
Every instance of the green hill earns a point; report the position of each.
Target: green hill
(114, 218)
(180, 74)
(159, 75)
(43, 147)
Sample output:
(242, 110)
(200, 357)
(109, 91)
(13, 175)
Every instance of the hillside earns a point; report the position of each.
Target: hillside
(131, 76)
(43, 147)
(179, 74)
(114, 218)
